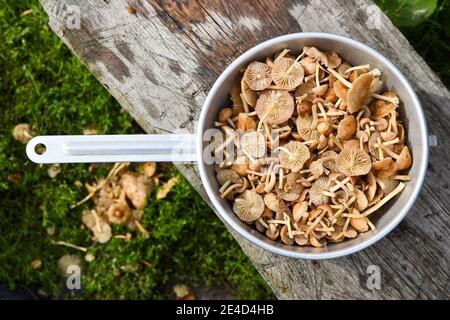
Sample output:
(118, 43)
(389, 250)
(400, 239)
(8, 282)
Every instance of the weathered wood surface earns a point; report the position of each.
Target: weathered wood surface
(160, 62)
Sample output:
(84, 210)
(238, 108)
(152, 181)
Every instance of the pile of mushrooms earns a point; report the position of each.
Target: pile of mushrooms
(311, 147)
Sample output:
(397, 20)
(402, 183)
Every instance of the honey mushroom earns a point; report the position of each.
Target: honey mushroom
(319, 147)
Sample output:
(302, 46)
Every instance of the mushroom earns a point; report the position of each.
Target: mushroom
(304, 128)
(361, 200)
(352, 144)
(100, 228)
(346, 127)
(272, 233)
(328, 159)
(248, 94)
(240, 166)
(284, 235)
(388, 185)
(309, 65)
(320, 90)
(274, 106)
(359, 92)
(226, 175)
(293, 155)
(404, 161)
(372, 189)
(136, 188)
(333, 60)
(245, 123)
(304, 107)
(249, 206)
(353, 162)
(316, 54)
(254, 144)
(300, 210)
(304, 91)
(274, 202)
(225, 114)
(287, 73)
(258, 75)
(119, 213)
(23, 132)
(316, 192)
(341, 90)
(359, 224)
(384, 168)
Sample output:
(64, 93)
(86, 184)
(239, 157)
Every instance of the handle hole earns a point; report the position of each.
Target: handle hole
(40, 149)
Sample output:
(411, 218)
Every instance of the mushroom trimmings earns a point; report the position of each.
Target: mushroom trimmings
(312, 147)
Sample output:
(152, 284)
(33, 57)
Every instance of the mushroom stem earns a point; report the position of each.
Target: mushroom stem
(271, 184)
(317, 75)
(389, 152)
(315, 223)
(361, 67)
(339, 184)
(315, 119)
(401, 178)
(394, 100)
(244, 103)
(281, 178)
(387, 143)
(263, 223)
(225, 185)
(285, 150)
(338, 102)
(340, 78)
(230, 188)
(323, 112)
(231, 123)
(392, 194)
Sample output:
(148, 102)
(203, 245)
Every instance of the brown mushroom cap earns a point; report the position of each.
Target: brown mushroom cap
(372, 189)
(316, 191)
(258, 75)
(249, 206)
(359, 92)
(274, 202)
(346, 128)
(285, 237)
(305, 88)
(333, 60)
(254, 143)
(275, 106)
(404, 161)
(248, 94)
(316, 54)
(225, 175)
(304, 128)
(328, 159)
(353, 162)
(287, 73)
(299, 210)
(384, 168)
(341, 90)
(296, 158)
(309, 65)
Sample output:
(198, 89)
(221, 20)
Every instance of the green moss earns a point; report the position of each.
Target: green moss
(43, 84)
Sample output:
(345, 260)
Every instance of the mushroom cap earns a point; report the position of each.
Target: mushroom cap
(333, 60)
(353, 162)
(305, 88)
(275, 106)
(258, 75)
(287, 73)
(328, 159)
(346, 128)
(224, 175)
(373, 140)
(320, 90)
(372, 189)
(309, 65)
(299, 155)
(361, 199)
(248, 94)
(304, 128)
(359, 92)
(119, 213)
(404, 161)
(293, 183)
(341, 90)
(384, 168)
(235, 95)
(342, 68)
(316, 54)
(249, 206)
(274, 202)
(389, 185)
(23, 132)
(285, 237)
(254, 143)
(299, 210)
(316, 191)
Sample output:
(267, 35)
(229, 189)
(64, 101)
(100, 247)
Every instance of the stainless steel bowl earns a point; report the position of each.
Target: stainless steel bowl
(356, 53)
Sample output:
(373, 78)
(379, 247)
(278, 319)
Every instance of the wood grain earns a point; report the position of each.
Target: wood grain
(160, 62)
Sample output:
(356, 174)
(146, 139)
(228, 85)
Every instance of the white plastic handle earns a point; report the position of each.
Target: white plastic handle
(113, 148)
